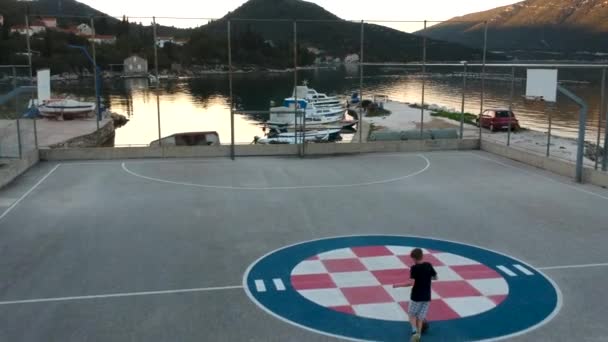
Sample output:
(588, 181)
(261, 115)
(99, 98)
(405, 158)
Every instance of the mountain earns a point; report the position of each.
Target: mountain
(321, 36)
(562, 26)
(337, 39)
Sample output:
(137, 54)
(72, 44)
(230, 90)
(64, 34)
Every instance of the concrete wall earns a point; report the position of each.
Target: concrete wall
(13, 168)
(560, 167)
(103, 153)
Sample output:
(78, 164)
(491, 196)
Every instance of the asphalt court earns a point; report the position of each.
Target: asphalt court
(158, 249)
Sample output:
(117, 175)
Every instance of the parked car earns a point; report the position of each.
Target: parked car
(497, 119)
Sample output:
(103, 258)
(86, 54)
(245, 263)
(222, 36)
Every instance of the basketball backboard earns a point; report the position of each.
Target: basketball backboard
(542, 84)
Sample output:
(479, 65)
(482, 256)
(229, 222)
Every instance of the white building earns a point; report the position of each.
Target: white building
(103, 39)
(84, 30)
(49, 22)
(161, 41)
(34, 29)
(351, 59)
(180, 42)
(135, 65)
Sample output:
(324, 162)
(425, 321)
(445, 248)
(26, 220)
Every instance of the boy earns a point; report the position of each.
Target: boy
(421, 274)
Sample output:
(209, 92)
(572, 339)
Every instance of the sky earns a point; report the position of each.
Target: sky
(355, 10)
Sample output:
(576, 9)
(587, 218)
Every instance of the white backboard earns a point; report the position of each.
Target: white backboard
(44, 85)
(542, 84)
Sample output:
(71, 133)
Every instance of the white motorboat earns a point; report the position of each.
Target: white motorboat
(287, 114)
(320, 136)
(59, 107)
(320, 100)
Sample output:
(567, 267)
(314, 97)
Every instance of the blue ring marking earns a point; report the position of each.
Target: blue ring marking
(531, 300)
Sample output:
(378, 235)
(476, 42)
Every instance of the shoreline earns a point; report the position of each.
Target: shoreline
(407, 116)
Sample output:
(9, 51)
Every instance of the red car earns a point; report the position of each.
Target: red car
(497, 119)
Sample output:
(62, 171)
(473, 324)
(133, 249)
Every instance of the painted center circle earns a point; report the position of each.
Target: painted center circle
(343, 287)
(359, 281)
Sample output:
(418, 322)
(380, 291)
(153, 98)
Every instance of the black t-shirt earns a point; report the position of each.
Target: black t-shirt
(422, 274)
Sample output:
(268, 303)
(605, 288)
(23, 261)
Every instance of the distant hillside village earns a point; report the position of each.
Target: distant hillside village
(43, 24)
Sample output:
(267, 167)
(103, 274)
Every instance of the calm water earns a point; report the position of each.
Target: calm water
(202, 104)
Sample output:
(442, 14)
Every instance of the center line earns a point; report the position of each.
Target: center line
(118, 295)
(564, 267)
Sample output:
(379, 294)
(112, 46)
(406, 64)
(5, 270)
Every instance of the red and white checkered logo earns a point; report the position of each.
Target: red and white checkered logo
(359, 281)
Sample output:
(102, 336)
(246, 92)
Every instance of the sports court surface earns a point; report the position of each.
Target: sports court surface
(288, 249)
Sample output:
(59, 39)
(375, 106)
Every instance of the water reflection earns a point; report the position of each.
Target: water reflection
(203, 105)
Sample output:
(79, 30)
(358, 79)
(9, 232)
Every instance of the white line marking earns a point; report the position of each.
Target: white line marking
(523, 270)
(28, 192)
(385, 181)
(260, 286)
(278, 283)
(118, 295)
(565, 267)
(507, 271)
(7, 202)
(577, 188)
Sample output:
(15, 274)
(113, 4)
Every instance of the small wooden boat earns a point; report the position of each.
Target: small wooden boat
(63, 107)
(189, 139)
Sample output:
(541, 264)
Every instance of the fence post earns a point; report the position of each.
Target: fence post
(605, 159)
(361, 83)
(95, 75)
(17, 113)
(160, 142)
(582, 124)
(30, 66)
(464, 89)
(548, 154)
(295, 93)
(483, 74)
(231, 94)
(599, 121)
(423, 81)
(511, 105)
(29, 48)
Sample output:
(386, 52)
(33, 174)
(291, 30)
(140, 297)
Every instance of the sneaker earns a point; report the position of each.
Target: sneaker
(415, 338)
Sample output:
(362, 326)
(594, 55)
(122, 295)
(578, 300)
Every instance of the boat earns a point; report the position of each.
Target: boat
(342, 125)
(304, 110)
(328, 135)
(62, 107)
(320, 100)
(189, 139)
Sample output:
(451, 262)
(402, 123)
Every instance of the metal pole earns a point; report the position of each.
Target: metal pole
(483, 74)
(511, 105)
(17, 113)
(464, 89)
(95, 74)
(29, 60)
(35, 129)
(599, 120)
(361, 82)
(295, 66)
(29, 48)
(160, 142)
(295, 88)
(549, 133)
(231, 94)
(605, 159)
(423, 82)
(581, 130)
